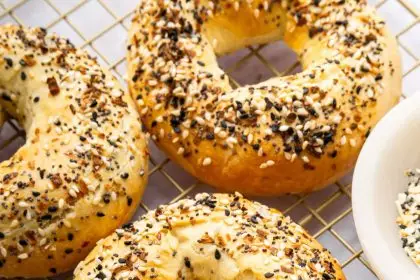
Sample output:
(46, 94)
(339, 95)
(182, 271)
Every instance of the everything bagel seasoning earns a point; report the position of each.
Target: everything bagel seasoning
(408, 205)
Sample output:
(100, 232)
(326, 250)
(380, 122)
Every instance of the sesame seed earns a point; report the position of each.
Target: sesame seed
(14, 224)
(236, 5)
(256, 13)
(180, 151)
(250, 137)
(222, 134)
(207, 161)
(61, 203)
(270, 163)
(23, 256)
(3, 252)
(343, 140)
(72, 193)
(302, 112)
(153, 82)
(42, 242)
(23, 204)
(185, 134)
(284, 128)
(266, 6)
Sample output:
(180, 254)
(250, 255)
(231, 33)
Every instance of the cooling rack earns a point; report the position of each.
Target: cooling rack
(100, 26)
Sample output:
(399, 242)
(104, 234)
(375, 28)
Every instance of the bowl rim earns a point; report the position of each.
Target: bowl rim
(363, 211)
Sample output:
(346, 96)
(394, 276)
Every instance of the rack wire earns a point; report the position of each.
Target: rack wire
(326, 214)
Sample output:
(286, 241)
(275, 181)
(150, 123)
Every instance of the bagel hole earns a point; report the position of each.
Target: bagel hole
(258, 63)
(12, 137)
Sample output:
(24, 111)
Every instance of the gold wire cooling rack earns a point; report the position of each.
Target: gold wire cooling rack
(326, 214)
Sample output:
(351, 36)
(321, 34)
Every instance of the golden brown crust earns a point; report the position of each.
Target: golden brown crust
(80, 174)
(286, 135)
(219, 236)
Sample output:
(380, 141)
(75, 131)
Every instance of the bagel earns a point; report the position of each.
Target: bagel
(80, 174)
(220, 236)
(286, 135)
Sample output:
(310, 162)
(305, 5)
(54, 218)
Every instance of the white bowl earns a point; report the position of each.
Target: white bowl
(392, 147)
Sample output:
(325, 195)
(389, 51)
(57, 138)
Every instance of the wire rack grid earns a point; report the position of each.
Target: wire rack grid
(100, 26)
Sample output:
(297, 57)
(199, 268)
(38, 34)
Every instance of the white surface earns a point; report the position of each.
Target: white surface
(392, 148)
(87, 23)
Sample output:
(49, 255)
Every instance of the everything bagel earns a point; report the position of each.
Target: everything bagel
(286, 135)
(80, 174)
(215, 237)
